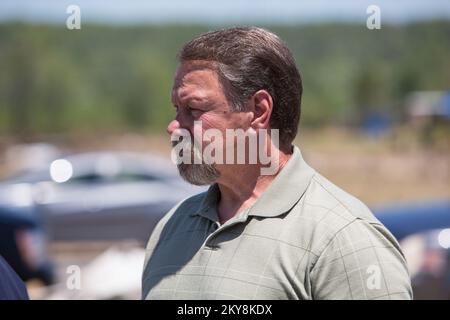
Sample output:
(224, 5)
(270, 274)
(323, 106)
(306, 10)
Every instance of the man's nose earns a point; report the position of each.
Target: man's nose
(173, 125)
(181, 121)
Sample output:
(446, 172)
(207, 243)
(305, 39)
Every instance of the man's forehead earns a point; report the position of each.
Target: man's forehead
(189, 92)
(194, 76)
(194, 72)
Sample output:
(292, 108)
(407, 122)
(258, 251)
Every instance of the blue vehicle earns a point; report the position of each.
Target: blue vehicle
(22, 244)
(408, 219)
(423, 230)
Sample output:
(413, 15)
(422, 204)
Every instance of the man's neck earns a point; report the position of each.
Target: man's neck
(241, 185)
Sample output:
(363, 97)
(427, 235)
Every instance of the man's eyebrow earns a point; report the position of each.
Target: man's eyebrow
(189, 98)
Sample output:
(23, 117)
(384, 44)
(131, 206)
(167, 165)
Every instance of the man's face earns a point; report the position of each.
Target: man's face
(198, 96)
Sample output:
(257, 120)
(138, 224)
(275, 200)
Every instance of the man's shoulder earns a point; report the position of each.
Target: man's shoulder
(323, 193)
(328, 211)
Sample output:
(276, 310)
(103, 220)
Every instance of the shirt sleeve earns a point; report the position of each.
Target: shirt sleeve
(363, 261)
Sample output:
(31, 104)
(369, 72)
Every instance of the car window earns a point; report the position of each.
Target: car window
(130, 176)
(121, 177)
(86, 178)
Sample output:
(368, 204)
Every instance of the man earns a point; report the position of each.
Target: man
(11, 286)
(290, 234)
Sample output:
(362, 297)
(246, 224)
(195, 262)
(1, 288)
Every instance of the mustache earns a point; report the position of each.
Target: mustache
(180, 140)
(190, 146)
(190, 143)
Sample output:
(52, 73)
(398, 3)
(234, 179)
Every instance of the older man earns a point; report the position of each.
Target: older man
(289, 234)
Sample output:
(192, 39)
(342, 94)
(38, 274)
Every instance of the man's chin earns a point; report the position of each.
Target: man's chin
(198, 174)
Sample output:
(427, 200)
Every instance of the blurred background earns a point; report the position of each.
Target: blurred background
(85, 161)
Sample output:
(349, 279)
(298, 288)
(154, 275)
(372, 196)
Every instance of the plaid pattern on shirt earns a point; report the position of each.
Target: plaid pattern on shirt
(304, 238)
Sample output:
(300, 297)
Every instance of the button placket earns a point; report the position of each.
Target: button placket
(221, 228)
(213, 231)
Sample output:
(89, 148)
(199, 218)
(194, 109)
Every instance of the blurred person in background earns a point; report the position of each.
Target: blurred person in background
(432, 282)
(11, 286)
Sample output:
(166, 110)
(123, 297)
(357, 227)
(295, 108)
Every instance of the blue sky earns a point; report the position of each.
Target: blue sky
(219, 12)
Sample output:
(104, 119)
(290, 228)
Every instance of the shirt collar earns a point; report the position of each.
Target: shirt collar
(208, 205)
(280, 196)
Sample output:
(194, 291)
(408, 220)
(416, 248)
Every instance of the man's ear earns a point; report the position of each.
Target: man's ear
(262, 104)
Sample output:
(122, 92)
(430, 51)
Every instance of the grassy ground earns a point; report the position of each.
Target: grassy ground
(390, 169)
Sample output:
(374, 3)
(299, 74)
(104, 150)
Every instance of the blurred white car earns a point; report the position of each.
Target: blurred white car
(99, 195)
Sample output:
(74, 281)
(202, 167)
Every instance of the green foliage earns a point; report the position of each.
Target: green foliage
(53, 80)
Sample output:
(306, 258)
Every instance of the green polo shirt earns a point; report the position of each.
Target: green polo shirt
(304, 238)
